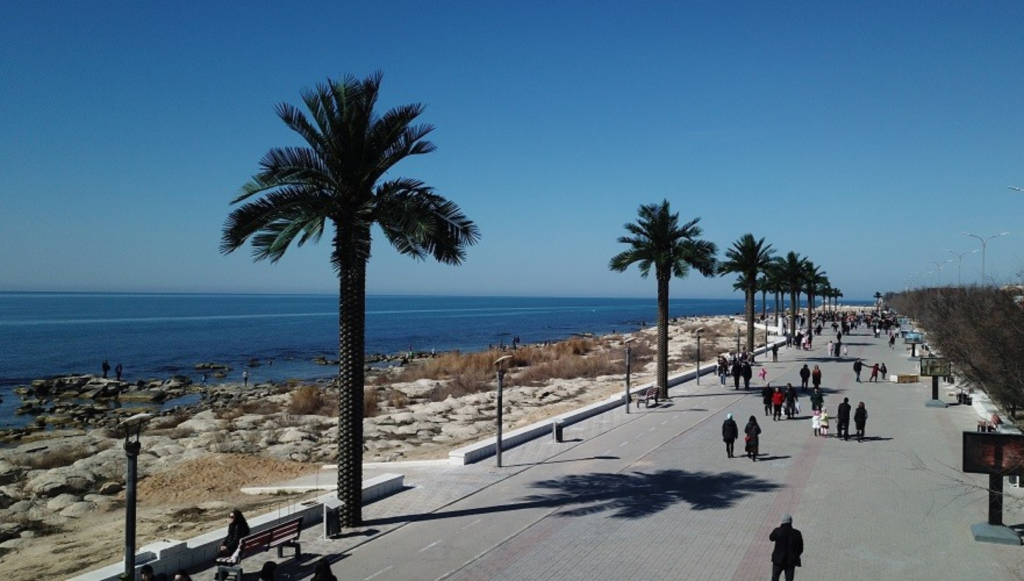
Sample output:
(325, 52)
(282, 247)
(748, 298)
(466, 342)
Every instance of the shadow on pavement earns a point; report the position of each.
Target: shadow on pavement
(632, 495)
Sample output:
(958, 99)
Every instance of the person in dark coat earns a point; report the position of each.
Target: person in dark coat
(737, 373)
(237, 530)
(766, 398)
(790, 401)
(323, 571)
(817, 399)
(730, 431)
(816, 377)
(857, 367)
(748, 373)
(843, 420)
(752, 432)
(805, 375)
(789, 545)
(860, 417)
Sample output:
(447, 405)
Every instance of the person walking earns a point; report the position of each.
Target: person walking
(789, 546)
(816, 423)
(843, 420)
(751, 435)
(737, 372)
(791, 400)
(817, 399)
(766, 398)
(763, 374)
(723, 370)
(778, 398)
(748, 374)
(824, 422)
(775, 352)
(730, 431)
(857, 367)
(805, 375)
(860, 418)
(816, 377)
(874, 373)
(884, 372)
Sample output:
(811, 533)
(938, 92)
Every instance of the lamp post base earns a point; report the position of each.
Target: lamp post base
(996, 534)
(935, 403)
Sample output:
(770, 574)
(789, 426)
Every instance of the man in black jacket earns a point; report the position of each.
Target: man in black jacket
(843, 417)
(805, 374)
(789, 545)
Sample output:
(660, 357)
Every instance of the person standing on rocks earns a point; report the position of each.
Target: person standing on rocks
(117, 371)
(245, 378)
(843, 420)
(106, 368)
(789, 546)
(860, 418)
(730, 431)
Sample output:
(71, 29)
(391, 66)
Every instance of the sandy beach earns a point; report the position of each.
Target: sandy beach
(63, 495)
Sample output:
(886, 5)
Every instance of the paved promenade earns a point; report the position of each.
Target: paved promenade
(651, 494)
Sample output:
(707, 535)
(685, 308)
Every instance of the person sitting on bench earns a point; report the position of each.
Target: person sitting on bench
(237, 530)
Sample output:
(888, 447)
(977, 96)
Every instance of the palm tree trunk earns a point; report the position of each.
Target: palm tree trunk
(793, 298)
(778, 313)
(751, 299)
(663, 334)
(351, 361)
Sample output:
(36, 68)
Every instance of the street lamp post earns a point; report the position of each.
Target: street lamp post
(131, 451)
(960, 263)
(737, 341)
(698, 332)
(938, 268)
(500, 364)
(984, 243)
(629, 360)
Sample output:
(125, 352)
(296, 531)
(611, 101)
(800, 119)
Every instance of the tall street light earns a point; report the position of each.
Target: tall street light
(698, 332)
(960, 263)
(938, 267)
(629, 360)
(984, 243)
(500, 364)
(131, 451)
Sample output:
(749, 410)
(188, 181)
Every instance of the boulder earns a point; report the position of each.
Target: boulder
(78, 510)
(62, 501)
(110, 488)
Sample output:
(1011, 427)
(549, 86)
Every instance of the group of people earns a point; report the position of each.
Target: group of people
(876, 369)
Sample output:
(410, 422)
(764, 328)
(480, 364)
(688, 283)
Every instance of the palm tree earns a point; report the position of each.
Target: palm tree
(658, 240)
(764, 287)
(337, 176)
(790, 270)
(814, 278)
(747, 258)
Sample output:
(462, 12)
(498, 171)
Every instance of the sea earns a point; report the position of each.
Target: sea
(160, 335)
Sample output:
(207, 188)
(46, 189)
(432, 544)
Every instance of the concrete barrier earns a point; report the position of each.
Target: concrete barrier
(488, 447)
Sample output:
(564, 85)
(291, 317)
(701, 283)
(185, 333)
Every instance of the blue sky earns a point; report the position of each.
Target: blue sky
(866, 136)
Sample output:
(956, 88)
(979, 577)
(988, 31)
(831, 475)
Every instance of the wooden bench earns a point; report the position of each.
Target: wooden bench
(282, 535)
(647, 396)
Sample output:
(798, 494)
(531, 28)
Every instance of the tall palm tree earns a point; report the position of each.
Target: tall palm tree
(764, 287)
(814, 278)
(790, 270)
(337, 176)
(747, 258)
(657, 239)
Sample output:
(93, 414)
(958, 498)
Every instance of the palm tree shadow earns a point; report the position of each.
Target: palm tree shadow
(639, 494)
(631, 495)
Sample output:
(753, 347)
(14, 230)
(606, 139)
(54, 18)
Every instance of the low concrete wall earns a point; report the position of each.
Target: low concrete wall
(169, 555)
(486, 448)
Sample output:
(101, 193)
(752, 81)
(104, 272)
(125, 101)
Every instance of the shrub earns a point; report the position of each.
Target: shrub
(310, 400)
(371, 406)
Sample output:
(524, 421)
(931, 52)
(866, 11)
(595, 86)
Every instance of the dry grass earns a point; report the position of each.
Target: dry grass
(62, 457)
(312, 400)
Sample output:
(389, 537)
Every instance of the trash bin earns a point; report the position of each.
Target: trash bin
(556, 430)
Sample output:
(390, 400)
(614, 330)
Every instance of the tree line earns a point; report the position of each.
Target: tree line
(980, 329)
